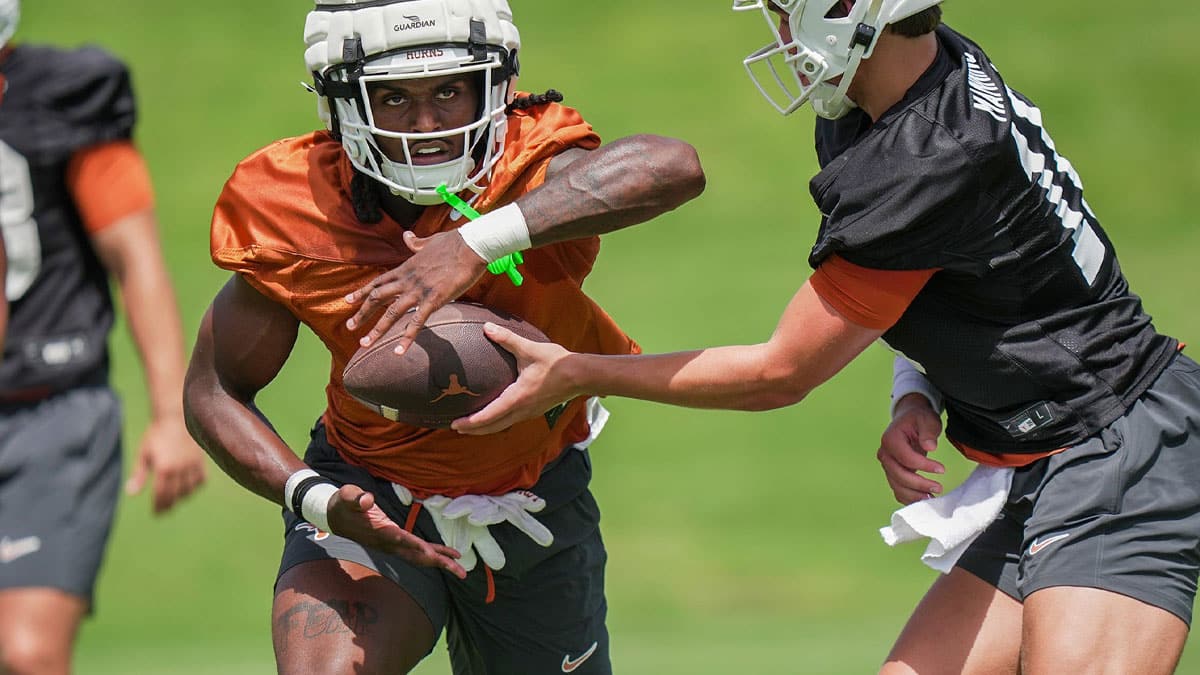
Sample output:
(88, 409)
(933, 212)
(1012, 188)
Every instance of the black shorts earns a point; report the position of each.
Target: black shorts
(549, 608)
(1119, 512)
(60, 477)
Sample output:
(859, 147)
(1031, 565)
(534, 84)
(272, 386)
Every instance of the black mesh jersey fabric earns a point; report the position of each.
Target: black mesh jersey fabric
(1029, 328)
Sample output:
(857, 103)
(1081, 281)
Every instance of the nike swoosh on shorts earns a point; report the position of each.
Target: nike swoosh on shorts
(569, 665)
(1039, 544)
(11, 549)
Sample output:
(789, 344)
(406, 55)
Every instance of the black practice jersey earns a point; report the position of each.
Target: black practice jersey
(57, 102)
(1029, 329)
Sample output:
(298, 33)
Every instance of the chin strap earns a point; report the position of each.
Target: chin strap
(352, 53)
(863, 41)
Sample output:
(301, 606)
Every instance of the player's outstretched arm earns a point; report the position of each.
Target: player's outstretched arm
(243, 343)
(129, 250)
(586, 193)
(811, 343)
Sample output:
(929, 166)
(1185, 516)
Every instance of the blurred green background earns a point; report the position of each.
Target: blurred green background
(738, 542)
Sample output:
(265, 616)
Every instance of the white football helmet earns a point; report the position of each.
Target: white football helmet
(351, 44)
(826, 43)
(10, 14)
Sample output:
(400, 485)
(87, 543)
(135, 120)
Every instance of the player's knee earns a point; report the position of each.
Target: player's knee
(896, 668)
(297, 661)
(29, 653)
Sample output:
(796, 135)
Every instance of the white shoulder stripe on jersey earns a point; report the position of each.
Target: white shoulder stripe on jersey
(22, 242)
(1088, 252)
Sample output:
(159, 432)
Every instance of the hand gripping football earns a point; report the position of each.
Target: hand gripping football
(450, 370)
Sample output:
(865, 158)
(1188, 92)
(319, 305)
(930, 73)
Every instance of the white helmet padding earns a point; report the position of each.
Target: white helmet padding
(351, 44)
(824, 45)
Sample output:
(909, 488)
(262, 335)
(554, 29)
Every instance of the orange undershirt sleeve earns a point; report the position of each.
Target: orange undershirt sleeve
(868, 297)
(108, 182)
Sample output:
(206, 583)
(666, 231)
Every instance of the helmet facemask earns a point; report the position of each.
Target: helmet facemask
(481, 140)
(826, 43)
(355, 46)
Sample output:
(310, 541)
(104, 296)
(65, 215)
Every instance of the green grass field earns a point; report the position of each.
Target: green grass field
(738, 542)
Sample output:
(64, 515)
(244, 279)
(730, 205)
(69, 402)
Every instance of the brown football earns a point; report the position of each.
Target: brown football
(450, 370)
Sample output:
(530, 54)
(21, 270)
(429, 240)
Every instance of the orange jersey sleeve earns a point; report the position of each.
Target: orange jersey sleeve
(868, 297)
(108, 182)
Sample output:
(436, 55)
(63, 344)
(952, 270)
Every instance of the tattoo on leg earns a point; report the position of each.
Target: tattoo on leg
(315, 619)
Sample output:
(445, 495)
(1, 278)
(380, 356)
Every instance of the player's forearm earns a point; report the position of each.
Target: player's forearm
(732, 378)
(626, 182)
(810, 344)
(154, 324)
(129, 249)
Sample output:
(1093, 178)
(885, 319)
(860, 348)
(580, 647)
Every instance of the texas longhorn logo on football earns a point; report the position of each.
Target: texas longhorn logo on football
(454, 389)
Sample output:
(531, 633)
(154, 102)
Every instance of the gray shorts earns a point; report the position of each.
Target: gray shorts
(60, 477)
(549, 607)
(1119, 512)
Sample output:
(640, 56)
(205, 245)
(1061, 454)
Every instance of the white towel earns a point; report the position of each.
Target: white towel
(952, 521)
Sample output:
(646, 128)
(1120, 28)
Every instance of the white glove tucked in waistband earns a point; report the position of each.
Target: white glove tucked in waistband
(463, 522)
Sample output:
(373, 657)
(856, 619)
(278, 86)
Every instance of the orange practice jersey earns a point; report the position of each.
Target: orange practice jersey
(286, 224)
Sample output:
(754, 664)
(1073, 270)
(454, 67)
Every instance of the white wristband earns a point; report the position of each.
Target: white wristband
(315, 507)
(906, 380)
(289, 488)
(497, 234)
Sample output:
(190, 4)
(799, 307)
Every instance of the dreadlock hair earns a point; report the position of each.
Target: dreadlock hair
(920, 23)
(525, 102)
(364, 195)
